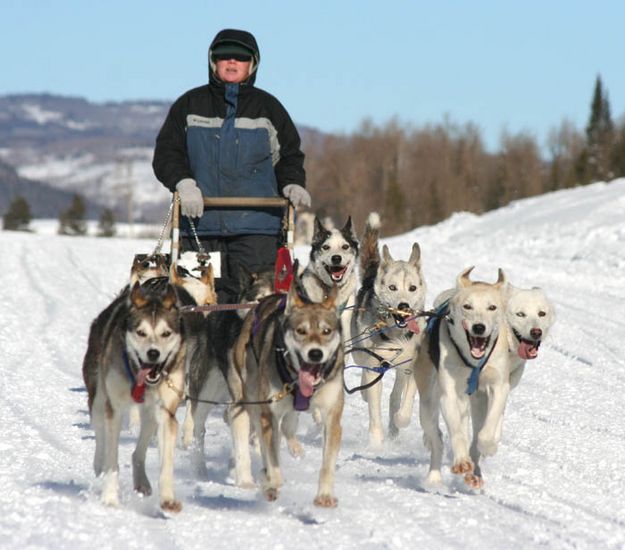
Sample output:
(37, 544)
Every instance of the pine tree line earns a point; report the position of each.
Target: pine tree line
(416, 177)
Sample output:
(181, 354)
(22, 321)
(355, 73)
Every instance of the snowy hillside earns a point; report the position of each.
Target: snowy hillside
(557, 480)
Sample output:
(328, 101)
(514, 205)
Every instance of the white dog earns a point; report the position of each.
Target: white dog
(466, 371)
(530, 315)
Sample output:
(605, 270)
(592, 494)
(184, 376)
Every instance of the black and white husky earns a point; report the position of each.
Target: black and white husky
(392, 293)
(332, 263)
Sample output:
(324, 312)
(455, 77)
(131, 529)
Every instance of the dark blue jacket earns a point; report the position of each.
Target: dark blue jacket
(233, 140)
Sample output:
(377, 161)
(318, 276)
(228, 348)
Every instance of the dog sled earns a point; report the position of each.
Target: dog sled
(198, 261)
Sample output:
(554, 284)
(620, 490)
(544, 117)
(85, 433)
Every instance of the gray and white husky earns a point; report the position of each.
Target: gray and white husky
(136, 355)
(392, 293)
(289, 358)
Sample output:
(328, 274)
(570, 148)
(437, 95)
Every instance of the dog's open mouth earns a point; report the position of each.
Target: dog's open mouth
(400, 320)
(309, 376)
(528, 349)
(336, 272)
(477, 345)
(149, 374)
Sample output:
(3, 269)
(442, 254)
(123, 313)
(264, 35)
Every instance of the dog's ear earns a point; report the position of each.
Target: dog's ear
(330, 300)
(169, 300)
(347, 228)
(415, 255)
(294, 298)
(386, 255)
(463, 279)
(208, 275)
(174, 276)
(501, 279)
(319, 227)
(138, 297)
(208, 280)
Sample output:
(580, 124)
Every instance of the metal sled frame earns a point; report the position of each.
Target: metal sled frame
(288, 220)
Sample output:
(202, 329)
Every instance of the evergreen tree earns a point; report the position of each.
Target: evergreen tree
(599, 136)
(106, 225)
(17, 217)
(72, 221)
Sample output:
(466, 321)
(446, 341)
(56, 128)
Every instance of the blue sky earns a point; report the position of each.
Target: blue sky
(500, 64)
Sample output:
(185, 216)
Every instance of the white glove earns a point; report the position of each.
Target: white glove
(191, 200)
(297, 195)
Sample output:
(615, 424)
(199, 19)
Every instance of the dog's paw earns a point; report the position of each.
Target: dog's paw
(143, 488)
(271, 494)
(434, 479)
(487, 446)
(474, 481)
(376, 440)
(295, 447)
(173, 506)
(326, 501)
(401, 420)
(246, 484)
(110, 490)
(464, 466)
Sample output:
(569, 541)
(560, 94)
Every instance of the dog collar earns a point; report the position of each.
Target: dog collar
(474, 377)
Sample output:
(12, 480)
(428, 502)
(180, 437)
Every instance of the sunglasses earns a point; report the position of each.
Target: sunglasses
(235, 56)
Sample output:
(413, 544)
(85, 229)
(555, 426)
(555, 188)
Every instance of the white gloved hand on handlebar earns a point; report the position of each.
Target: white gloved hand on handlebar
(297, 195)
(191, 200)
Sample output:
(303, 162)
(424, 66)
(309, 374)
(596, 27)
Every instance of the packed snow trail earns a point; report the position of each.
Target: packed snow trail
(556, 481)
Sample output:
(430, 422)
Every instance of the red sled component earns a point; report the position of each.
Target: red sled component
(284, 270)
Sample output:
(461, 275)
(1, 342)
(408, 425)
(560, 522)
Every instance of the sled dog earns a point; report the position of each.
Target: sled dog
(466, 372)
(146, 267)
(332, 262)
(139, 358)
(208, 363)
(530, 315)
(392, 292)
(289, 357)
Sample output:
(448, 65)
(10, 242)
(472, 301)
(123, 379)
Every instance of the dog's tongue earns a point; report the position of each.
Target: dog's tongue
(141, 376)
(337, 273)
(306, 380)
(413, 326)
(527, 350)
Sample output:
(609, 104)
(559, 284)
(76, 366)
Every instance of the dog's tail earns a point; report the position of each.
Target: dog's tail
(370, 253)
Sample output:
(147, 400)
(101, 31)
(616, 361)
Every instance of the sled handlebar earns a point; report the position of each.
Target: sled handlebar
(238, 202)
(221, 202)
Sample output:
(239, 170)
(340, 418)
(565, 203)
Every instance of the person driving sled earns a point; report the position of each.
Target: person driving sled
(230, 138)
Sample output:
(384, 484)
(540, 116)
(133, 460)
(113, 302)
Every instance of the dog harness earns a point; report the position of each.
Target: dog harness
(433, 331)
